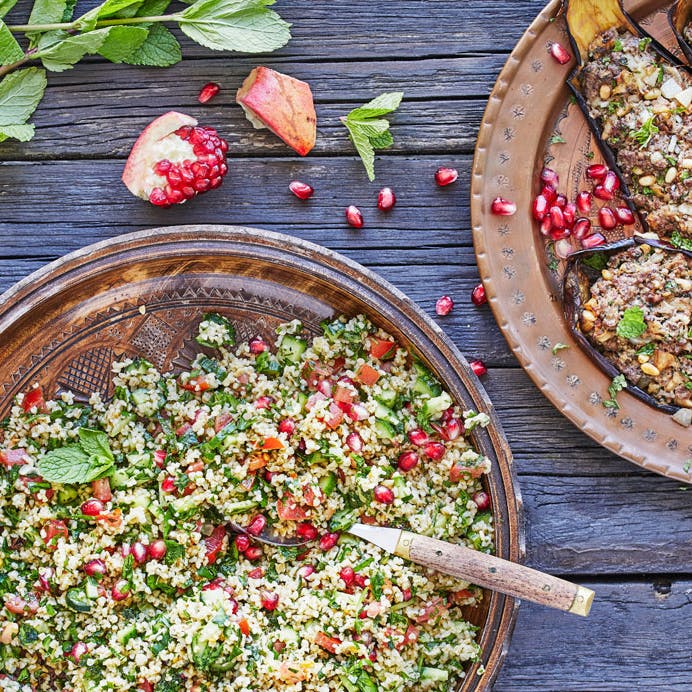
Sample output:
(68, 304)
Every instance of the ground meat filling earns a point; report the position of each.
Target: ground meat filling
(640, 317)
(643, 106)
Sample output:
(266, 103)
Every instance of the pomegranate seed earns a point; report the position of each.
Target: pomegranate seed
(287, 425)
(257, 525)
(233, 603)
(208, 92)
(559, 233)
(348, 576)
(92, 508)
(269, 600)
(503, 207)
(406, 594)
(305, 571)
(354, 217)
(158, 550)
(139, 552)
(257, 345)
(120, 590)
(584, 200)
(624, 215)
(407, 461)
(45, 574)
(570, 214)
(360, 581)
(446, 176)
(264, 402)
(601, 193)
(254, 552)
(546, 225)
(418, 437)
(301, 190)
(550, 193)
(328, 541)
(560, 53)
(95, 568)
(550, 177)
(355, 442)
(593, 241)
(242, 542)
(563, 248)
(168, 485)
(454, 428)
(434, 450)
(269, 475)
(372, 656)
(607, 218)
(478, 366)
(325, 387)
(383, 494)
(582, 228)
(482, 500)
(540, 207)
(125, 549)
(386, 199)
(256, 573)
(444, 306)
(557, 218)
(77, 651)
(611, 182)
(307, 531)
(561, 201)
(160, 458)
(597, 171)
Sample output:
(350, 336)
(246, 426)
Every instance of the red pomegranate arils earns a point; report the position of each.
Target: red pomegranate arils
(593, 241)
(597, 171)
(570, 214)
(611, 182)
(503, 207)
(550, 177)
(607, 218)
(563, 248)
(482, 500)
(559, 233)
(561, 201)
(478, 296)
(208, 92)
(354, 217)
(624, 215)
(550, 193)
(584, 200)
(546, 225)
(582, 228)
(301, 190)
(446, 176)
(540, 207)
(560, 53)
(557, 217)
(444, 306)
(478, 367)
(386, 199)
(601, 193)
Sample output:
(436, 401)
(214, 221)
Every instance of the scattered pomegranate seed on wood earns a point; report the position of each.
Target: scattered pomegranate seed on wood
(596, 171)
(593, 241)
(446, 176)
(478, 367)
(354, 217)
(478, 296)
(301, 190)
(550, 177)
(624, 215)
(386, 199)
(444, 306)
(584, 200)
(607, 218)
(208, 92)
(582, 228)
(503, 207)
(560, 53)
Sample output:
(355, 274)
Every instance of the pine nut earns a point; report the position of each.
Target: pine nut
(647, 180)
(604, 91)
(671, 174)
(650, 369)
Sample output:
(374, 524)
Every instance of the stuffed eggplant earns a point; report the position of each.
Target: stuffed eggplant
(637, 98)
(630, 306)
(680, 16)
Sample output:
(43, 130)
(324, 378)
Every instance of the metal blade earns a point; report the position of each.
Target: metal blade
(383, 537)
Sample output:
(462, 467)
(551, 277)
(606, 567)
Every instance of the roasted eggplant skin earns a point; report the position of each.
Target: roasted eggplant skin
(587, 19)
(679, 15)
(577, 283)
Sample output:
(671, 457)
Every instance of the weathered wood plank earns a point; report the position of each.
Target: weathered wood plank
(637, 637)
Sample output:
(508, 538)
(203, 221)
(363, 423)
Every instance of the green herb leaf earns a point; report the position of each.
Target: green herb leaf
(20, 93)
(10, 50)
(559, 346)
(174, 551)
(71, 464)
(381, 105)
(160, 49)
(6, 6)
(122, 42)
(679, 241)
(647, 349)
(376, 584)
(632, 324)
(87, 22)
(48, 11)
(128, 567)
(59, 51)
(365, 149)
(22, 133)
(95, 443)
(644, 134)
(235, 25)
(617, 385)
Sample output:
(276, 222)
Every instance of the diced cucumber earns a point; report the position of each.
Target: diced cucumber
(140, 459)
(184, 504)
(91, 588)
(388, 397)
(119, 478)
(209, 365)
(291, 349)
(127, 633)
(386, 413)
(384, 429)
(66, 494)
(343, 520)
(328, 483)
(317, 458)
(240, 507)
(434, 674)
(266, 364)
(77, 600)
(138, 366)
(426, 384)
(434, 407)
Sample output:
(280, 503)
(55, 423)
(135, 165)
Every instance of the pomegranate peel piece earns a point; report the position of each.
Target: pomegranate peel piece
(281, 103)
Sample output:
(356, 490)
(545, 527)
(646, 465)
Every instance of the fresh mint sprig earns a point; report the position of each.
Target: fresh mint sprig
(122, 31)
(369, 131)
(78, 463)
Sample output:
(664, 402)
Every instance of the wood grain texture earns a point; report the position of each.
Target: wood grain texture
(591, 517)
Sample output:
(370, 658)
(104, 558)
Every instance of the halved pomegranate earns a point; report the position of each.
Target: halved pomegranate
(174, 160)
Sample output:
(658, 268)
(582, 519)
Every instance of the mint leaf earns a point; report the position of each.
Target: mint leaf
(70, 464)
(61, 51)
(364, 148)
(235, 25)
(679, 241)
(48, 11)
(87, 22)
(6, 6)
(20, 93)
(122, 42)
(381, 105)
(160, 49)
(10, 50)
(95, 443)
(23, 133)
(632, 324)
(174, 551)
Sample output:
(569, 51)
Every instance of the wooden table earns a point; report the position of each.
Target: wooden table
(589, 515)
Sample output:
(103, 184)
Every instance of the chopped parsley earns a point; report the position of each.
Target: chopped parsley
(644, 134)
(617, 385)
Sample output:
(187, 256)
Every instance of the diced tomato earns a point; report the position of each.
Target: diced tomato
(289, 510)
(365, 519)
(271, 443)
(160, 458)
(326, 642)
(13, 457)
(381, 348)
(314, 371)
(54, 529)
(214, 543)
(410, 637)
(291, 673)
(196, 466)
(460, 596)
(222, 420)
(457, 472)
(367, 375)
(146, 686)
(431, 610)
(244, 626)
(101, 489)
(344, 395)
(185, 427)
(257, 461)
(310, 497)
(112, 519)
(338, 364)
(256, 573)
(196, 384)
(34, 397)
(334, 416)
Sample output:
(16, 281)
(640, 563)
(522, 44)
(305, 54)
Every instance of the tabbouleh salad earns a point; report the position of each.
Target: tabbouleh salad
(118, 572)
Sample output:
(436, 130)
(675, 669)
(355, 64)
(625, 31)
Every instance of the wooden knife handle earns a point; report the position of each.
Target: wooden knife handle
(495, 573)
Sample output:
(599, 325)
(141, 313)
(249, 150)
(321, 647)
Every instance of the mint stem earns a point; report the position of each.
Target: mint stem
(66, 26)
(5, 69)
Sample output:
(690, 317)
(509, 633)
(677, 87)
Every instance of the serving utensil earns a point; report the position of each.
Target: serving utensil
(465, 563)
(679, 15)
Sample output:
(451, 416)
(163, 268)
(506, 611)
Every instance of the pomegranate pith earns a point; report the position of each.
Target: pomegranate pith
(446, 176)
(354, 217)
(208, 91)
(386, 199)
(301, 190)
(444, 306)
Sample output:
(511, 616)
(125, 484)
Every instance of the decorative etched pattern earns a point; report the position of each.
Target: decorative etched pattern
(89, 372)
(153, 339)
